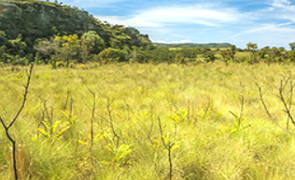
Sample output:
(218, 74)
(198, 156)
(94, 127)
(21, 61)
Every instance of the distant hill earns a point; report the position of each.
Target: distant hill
(195, 45)
(32, 19)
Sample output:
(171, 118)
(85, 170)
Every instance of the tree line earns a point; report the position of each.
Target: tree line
(64, 50)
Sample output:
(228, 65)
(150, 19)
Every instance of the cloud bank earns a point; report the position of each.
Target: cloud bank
(266, 22)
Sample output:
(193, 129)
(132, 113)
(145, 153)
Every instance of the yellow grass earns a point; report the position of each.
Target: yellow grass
(195, 105)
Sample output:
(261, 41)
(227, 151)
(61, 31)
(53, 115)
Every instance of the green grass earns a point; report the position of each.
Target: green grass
(192, 102)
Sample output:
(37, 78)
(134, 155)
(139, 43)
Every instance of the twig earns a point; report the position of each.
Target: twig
(111, 122)
(7, 127)
(284, 101)
(263, 102)
(24, 97)
(290, 100)
(161, 132)
(268, 112)
(67, 100)
(92, 119)
(242, 101)
(168, 146)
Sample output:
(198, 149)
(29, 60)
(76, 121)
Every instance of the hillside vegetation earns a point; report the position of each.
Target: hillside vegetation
(22, 22)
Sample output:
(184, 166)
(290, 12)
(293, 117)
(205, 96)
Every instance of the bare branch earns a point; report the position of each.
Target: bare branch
(161, 132)
(268, 112)
(3, 123)
(7, 127)
(111, 122)
(290, 100)
(284, 101)
(92, 119)
(168, 146)
(242, 101)
(24, 97)
(263, 102)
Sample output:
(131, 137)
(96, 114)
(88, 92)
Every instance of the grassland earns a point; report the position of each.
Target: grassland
(197, 107)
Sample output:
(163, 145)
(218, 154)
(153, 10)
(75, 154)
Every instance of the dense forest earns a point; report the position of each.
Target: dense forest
(30, 29)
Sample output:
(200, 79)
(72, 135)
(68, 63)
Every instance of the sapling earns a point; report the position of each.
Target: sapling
(240, 116)
(168, 146)
(67, 100)
(284, 101)
(287, 105)
(92, 120)
(7, 126)
(111, 123)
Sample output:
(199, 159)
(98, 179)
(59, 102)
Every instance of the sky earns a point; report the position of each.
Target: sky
(265, 22)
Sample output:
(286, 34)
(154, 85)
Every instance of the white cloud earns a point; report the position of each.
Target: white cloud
(271, 32)
(272, 25)
(163, 16)
(282, 28)
(281, 9)
(267, 35)
(128, 21)
(281, 4)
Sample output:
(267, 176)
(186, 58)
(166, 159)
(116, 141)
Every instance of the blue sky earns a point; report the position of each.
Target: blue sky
(265, 22)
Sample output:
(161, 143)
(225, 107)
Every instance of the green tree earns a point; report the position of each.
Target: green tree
(209, 56)
(69, 48)
(233, 52)
(226, 55)
(262, 53)
(17, 47)
(112, 55)
(91, 43)
(46, 49)
(180, 58)
(138, 55)
(276, 55)
(161, 54)
(3, 55)
(3, 48)
(3, 38)
(292, 46)
(292, 55)
(252, 48)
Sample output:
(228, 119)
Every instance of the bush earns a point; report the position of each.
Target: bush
(112, 55)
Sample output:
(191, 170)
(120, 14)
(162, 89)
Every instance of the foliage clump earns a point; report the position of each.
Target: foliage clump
(112, 55)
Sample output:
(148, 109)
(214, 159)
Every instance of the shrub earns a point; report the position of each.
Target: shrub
(112, 55)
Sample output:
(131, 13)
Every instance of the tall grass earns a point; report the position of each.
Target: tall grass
(195, 104)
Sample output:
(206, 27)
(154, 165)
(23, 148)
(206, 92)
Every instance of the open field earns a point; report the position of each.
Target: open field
(122, 121)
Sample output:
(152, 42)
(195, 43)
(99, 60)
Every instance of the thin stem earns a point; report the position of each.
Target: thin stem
(92, 120)
(24, 97)
(168, 146)
(7, 127)
(268, 112)
(111, 122)
(283, 100)
(242, 101)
